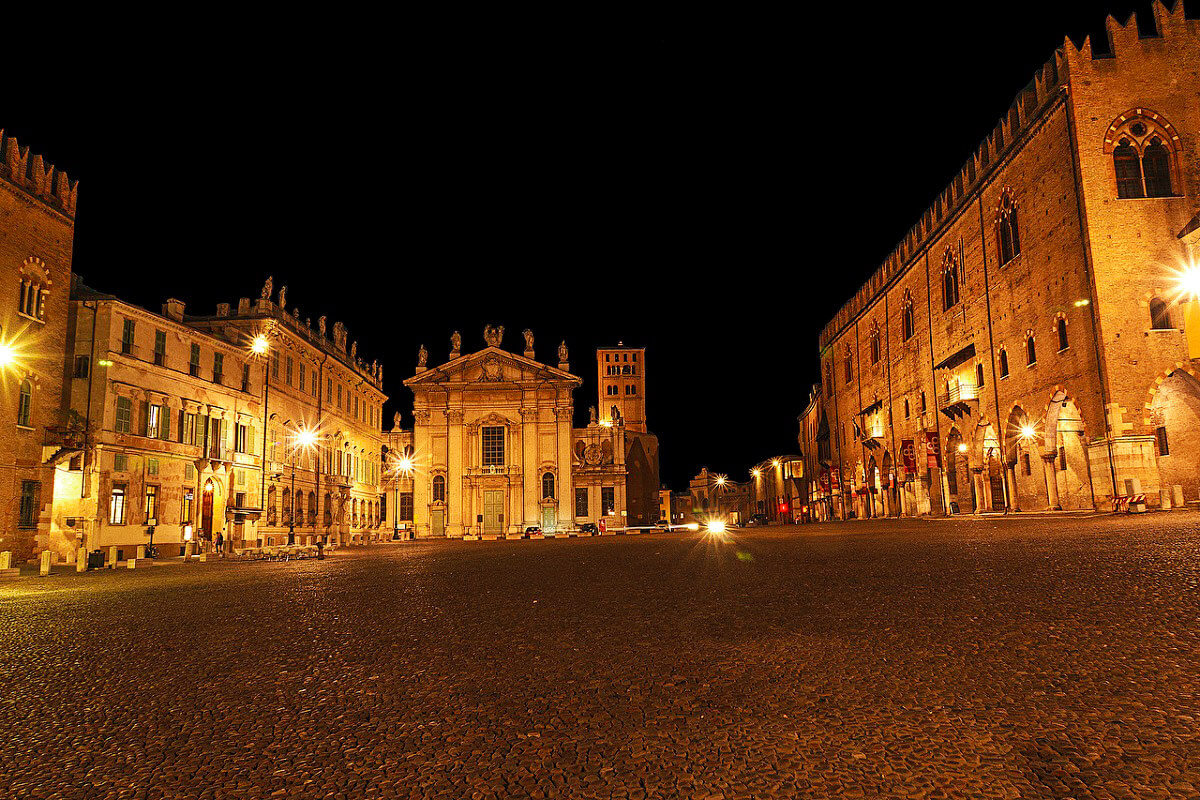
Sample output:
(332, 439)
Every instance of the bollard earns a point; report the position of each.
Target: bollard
(141, 551)
(112, 557)
(6, 559)
(81, 560)
(203, 558)
(45, 568)
(1177, 495)
(187, 551)
(1164, 499)
(131, 563)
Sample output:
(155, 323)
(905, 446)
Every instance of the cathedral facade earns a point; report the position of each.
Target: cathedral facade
(494, 449)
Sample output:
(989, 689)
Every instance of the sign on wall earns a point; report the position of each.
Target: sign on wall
(908, 453)
(933, 450)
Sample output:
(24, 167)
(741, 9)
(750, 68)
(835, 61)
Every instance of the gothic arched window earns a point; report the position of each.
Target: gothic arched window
(548, 486)
(439, 488)
(1030, 352)
(1144, 149)
(950, 279)
(907, 323)
(271, 509)
(1160, 318)
(1129, 170)
(1061, 327)
(1007, 235)
(875, 353)
(1003, 363)
(312, 508)
(1156, 167)
(849, 368)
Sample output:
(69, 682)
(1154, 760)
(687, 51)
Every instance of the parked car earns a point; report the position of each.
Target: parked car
(589, 528)
(757, 519)
(662, 525)
(532, 529)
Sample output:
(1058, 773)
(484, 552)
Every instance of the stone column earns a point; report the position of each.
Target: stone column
(422, 478)
(1048, 460)
(456, 484)
(983, 491)
(566, 480)
(1010, 475)
(530, 479)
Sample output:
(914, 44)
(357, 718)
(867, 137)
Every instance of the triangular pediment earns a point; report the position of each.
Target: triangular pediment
(492, 365)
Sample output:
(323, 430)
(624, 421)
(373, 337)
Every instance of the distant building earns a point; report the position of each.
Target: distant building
(813, 439)
(778, 490)
(621, 383)
(1028, 345)
(715, 495)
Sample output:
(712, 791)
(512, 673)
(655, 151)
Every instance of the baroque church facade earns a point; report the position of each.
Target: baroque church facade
(494, 449)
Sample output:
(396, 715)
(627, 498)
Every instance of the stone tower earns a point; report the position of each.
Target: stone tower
(621, 373)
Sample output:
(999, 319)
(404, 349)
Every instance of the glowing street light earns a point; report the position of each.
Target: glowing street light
(304, 438)
(756, 472)
(962, 447)
(8, 355)
(1188, 281)
(716, 526)
(259, 345)
(1028, 432)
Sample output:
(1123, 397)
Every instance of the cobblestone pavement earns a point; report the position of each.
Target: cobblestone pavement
(998, 658)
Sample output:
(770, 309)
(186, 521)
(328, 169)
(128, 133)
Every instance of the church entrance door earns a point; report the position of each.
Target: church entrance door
(493, 511)
(437, 519)
(548, 518)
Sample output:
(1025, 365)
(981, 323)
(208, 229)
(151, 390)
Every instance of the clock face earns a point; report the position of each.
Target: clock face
(593, 455)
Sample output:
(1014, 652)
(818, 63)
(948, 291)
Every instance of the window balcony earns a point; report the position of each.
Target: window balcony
(956, 402)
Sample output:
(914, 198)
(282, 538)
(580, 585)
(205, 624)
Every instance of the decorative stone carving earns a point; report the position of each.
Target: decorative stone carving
(396, 421)
(593, 455)
(455, 344)
(339, 335)
(454, 417)
(283, 298)
(321, 325)
(421, 417)
(493, 336)
(562, 352)
(422, 357)
(592, 415)
(268, 288)
(354, 350)
(528, 334)
(492, 370)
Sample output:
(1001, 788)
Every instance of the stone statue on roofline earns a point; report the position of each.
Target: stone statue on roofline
(562, 352)
(283, 299)
(321, 325)
(493, 336)
(528, 334)
(422, 356)
(455, 344)
(268, 288)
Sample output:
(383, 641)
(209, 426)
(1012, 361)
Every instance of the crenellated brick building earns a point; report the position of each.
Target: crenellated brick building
(1028, 337)
(37, 229)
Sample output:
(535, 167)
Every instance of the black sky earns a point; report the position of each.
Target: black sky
(711, 188)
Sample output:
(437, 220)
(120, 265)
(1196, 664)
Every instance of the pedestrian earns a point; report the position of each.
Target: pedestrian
(221, 544)
(321, 548)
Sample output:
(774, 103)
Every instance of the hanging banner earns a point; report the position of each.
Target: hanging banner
(908, 453)
(933, 450)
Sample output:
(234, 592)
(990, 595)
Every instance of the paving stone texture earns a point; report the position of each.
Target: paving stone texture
(1007, 658)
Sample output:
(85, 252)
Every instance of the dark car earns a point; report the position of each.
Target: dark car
(590, 528)
(757, 519)
(532, 529)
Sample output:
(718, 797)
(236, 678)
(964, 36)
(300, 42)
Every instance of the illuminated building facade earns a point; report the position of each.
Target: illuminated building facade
(1026, 346)
(621, 382)
(316, 382)
(495, 450)
(173, 419)
(778, 488)
(37, 211)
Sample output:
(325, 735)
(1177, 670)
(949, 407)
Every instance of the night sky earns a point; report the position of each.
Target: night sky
(712, 189)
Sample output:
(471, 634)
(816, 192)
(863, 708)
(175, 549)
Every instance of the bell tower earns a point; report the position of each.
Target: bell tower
(621, 373)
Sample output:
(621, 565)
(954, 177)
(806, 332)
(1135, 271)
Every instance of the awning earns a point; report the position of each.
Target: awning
(878, 404)
(961, 357)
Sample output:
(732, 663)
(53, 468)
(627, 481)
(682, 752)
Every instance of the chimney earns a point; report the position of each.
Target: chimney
(174, 309)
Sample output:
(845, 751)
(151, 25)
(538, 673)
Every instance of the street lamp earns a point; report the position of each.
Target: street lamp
(306, 439)
(401, 466)
(260, 345)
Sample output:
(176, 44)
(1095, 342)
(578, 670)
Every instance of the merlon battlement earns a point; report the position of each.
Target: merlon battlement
(1124, 38)
(30, 173)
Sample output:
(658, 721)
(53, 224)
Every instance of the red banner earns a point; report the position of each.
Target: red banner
(908, 452)
(933, 450)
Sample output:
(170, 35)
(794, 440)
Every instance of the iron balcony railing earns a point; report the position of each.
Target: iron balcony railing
(958, 393)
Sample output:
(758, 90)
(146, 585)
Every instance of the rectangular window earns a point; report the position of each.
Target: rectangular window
(313, 384)
(239, 438)
(83, 365)
(160, 347)
(1062, 458)
(151, 466)
(608, 500)
(124, 420)
(185, 511)
(275, 364)
(151, 503)
(406, 506)
(339, 395)
(194, 361)
(329, 390)
(189, 428)
(127, 337)
(581, 502)
(189, 472)
(1026, 463)
(493, 445)
(356, 407)
(300, 375)
(30, 496)
(120, 462)
(246, 377)
(383, 508)
(153, 420)
(116, 505)
(288, 371)
(218, 366)
(1160, 433)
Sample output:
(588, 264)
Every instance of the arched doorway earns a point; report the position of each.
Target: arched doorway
(959, 485)
(1175, 419)
(206, 509)
(872, 497)
(990, 491)
(1022, 457)
(1065, 455)
(890, 489)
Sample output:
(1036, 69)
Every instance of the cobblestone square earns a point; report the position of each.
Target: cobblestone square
(1040, 657)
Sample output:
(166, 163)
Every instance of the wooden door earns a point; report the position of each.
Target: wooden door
(493, 511)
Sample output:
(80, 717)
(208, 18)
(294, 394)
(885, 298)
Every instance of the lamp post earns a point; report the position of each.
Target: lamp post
(259, 346)
(303, 438)
(401, 467)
